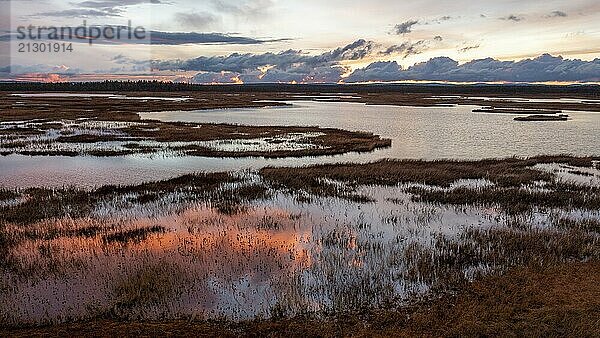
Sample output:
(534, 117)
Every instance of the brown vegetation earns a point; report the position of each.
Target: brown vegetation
(135, 235)
(332, 142)
(313, 141)
(40, 203)
(517, 111)
(6, 194)
(514, 199)
(511, 172)
(148, 285)
(560, 300)
(87, 138)
(542, 118)
(16, 108)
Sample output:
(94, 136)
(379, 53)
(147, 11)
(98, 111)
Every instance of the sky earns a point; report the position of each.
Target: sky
(235, 41)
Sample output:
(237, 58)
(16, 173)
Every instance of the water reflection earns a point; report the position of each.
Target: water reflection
(278, 254)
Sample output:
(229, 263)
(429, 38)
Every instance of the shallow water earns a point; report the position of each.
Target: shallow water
(324, 255)
(416, 132)
(279, 255)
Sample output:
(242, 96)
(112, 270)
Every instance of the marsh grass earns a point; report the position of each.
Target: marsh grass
(150, 285)
(508, 176)
(87, 138)
(110, 109)
(524, 301)
(587, 224)
(40, 204)
(6, 194)
(444, 265)
(302, 141)
(511, 172)
(514, 200)
(134, 235)
(41, 214)
(196, 183)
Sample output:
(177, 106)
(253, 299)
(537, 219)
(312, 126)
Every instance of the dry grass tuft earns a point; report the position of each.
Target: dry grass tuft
(150, 285)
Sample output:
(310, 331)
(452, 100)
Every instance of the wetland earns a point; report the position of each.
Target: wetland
(297, 213)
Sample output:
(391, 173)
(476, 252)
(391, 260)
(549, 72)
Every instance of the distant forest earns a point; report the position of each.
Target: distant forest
(158, 86)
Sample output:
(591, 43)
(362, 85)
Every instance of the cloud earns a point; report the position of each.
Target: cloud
(513, 17)
(406, 49)
(114, 3)
(200, 20)
(290, 60)
(541, 69)
(468, 48)
(405, 27)
(41, 68)
(80, 13)
(439, 20)
(105, 8)
(354, 51)
(382, 71)
(170, 38)
(286, 66)
(243, 8)
(329, 67)
(557, 14)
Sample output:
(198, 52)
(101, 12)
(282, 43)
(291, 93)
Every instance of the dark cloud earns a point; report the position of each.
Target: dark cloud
(169, 38)
(513, 17)
(290, 60)
(287, 66)
(297, 66)
(354, 51)
(557, 14)
(405, 27)
(541, 69)
(382, 71)
(468, 48)
(201, 20)
(406, 49)
(323, 74)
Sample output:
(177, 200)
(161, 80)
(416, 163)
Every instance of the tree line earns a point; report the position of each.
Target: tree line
(161, 86)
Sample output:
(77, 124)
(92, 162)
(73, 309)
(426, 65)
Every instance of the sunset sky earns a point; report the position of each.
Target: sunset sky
(321, 41)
